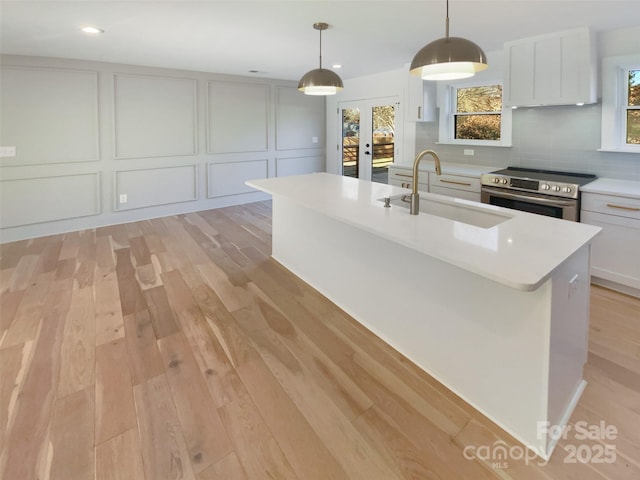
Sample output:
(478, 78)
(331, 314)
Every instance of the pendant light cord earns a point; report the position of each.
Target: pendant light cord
(447, 21)
(320, 30)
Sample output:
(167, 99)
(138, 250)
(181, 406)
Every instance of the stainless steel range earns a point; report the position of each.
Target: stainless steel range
(546, 192)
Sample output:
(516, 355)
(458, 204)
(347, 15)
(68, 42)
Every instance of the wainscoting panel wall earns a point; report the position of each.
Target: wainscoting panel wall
(298, 125)
(165, 106)
(238, 117)
(229, 178)
(299, 165)
(156, 186)
(102, 144)
(50, 115)
(28, 201)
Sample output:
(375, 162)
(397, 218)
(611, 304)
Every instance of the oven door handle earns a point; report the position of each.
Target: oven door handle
(540, 200)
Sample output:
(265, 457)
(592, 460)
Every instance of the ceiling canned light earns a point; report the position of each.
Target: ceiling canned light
(449, 58)
(92, 30)
(320, 81)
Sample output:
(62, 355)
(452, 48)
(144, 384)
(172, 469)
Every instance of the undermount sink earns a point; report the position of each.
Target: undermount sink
(476, 216)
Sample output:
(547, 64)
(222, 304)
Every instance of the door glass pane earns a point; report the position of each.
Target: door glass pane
(383, 126)
(350, 141)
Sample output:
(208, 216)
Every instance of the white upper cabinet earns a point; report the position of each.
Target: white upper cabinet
(552, 69)
(421, 102)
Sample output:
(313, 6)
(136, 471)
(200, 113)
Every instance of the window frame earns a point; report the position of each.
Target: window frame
(615, 84)
(447, 100)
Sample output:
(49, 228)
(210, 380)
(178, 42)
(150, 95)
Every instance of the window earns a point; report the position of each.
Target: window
(632, 107)
(621, 104)
(473, 114)
(477, 113)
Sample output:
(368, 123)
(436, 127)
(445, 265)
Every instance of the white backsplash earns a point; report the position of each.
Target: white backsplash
(557, 138)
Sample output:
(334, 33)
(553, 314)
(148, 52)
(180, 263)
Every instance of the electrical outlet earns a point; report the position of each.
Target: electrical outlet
(314, 139)
(469, 151)
(123, 198)
(7, 151)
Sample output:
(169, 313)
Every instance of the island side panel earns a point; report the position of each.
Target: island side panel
(486, 342)
(569, 335)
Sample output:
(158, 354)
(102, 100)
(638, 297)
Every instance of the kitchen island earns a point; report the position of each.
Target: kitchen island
(491, 302)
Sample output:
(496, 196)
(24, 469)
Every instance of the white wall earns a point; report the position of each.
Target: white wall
(172, 141)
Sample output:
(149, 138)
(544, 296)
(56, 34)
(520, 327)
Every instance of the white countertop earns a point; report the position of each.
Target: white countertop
(609, 186)
(451, 168)
(521, 252)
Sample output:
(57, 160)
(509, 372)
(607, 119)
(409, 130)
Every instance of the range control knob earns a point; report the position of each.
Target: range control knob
(566, 189)
(555, 188)
(503, 180)
(496, 180)
(545, 186)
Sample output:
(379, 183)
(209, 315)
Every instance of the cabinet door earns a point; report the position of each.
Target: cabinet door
(614, 252)
(518, 83)
(552, 69)
(422, 100)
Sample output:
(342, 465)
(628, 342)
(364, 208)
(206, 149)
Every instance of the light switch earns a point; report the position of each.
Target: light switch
(123, 198)
(314, 139)
(7, 151)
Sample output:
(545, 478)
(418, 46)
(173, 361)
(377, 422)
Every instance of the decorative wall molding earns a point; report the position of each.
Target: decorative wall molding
(27, 201)
(154, 116)
(51, 115)
(299, 165)
(150, 187)
(299, 120)
(229, 178)
(237, 117)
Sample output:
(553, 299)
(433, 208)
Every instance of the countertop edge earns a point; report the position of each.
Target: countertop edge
(611, 186)
(483, 272)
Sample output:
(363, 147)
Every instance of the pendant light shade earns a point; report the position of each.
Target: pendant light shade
(320, 81)
(448, 58)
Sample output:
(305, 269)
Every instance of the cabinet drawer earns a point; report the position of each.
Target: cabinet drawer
(611, 205)
(451, 192)
(469, 184)
(406, 183)
(405, 180)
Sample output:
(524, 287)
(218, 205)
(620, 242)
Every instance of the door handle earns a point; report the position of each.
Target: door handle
(367, 153)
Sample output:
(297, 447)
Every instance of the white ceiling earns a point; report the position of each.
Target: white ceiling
(277, 38)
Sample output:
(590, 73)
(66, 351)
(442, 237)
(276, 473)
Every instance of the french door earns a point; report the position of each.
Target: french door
(368, 134)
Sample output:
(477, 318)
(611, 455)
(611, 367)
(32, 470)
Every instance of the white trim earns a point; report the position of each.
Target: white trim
(446, 104)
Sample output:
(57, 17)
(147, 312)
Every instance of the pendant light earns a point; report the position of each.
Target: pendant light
(448, 58)
(320, 81)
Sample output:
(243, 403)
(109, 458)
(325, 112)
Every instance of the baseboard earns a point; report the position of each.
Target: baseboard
(618, 287)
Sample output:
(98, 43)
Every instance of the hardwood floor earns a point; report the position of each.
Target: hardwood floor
(175, 348)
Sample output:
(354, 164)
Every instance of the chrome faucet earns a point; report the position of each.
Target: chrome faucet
(414, 206)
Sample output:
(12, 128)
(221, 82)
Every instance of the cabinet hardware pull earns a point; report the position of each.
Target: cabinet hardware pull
(419, 113)
(456, 183)
(404, 175)
(621, 207)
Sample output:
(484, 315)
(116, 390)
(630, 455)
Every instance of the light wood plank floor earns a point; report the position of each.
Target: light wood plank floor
(175, 348)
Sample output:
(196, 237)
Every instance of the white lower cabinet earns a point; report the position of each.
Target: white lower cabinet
(451, 185)
(403, 177)
(455, 186)
(615, 252)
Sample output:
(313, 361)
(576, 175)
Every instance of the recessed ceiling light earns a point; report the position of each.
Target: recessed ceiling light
(92, 30)
(337, 66)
